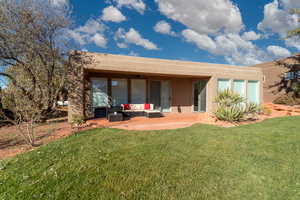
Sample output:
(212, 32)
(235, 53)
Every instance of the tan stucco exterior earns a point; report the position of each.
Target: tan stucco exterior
(182, 75)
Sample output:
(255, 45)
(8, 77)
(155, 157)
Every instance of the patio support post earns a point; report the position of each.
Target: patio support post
(76, 85)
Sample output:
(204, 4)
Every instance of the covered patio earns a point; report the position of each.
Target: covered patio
(168, 121)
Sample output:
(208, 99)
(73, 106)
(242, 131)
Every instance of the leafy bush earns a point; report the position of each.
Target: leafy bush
(77, 120)
(233, 108)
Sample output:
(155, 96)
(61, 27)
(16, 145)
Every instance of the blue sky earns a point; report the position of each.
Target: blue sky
(237, 32)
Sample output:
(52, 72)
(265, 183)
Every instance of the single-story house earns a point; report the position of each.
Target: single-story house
(98, 79)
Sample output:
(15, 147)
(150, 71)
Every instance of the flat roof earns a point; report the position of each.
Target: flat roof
(132, 64)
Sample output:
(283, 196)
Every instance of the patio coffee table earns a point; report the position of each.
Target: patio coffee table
(115, 117)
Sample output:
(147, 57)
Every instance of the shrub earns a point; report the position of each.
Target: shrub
(266, 110)
(285, 99)
(233, 108)
(77, 120)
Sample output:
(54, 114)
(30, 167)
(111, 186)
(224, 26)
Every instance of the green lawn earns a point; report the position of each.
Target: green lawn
(260, 161)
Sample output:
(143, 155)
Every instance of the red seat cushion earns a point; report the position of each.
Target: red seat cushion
(147, 106)
(126, 106)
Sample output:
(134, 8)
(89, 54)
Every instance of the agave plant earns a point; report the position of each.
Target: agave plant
(233, 107)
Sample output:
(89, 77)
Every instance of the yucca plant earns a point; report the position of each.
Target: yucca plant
(233, 107)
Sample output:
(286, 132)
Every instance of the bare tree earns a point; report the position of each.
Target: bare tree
(33, 57)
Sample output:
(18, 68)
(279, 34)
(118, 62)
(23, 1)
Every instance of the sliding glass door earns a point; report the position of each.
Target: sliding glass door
(138, 91)
(119, 91)
(165, 96)
(200, 96)
(155, 95)
(160, 95)
(99, 92)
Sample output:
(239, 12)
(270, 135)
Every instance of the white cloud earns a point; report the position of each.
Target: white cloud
(138, 5)
(92, 26)
(251, 35)
(164, 28)
(293, 42)
(134, 37)
(289, 4)
(112, 14)
(278, 20)
(122, 45)
(278, 51)
(91, 32)
(77, 37)
(202, 41)
(202, 16)
(59, 2)
(99, 40)
(235, 49)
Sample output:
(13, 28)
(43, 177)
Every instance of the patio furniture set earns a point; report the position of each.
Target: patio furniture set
(126, 111)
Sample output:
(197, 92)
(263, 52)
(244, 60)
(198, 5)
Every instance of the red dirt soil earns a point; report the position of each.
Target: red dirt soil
(11, 144)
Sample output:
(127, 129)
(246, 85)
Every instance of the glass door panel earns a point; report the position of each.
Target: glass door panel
(155, 95)
(165, 96)
(200, 96)
(99, 92)
(119, 91)
(138, 91)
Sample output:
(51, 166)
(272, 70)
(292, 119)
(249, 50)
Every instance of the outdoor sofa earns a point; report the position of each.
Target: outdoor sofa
(134, 110)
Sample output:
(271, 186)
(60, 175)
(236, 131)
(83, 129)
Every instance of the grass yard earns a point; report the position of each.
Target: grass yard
(258, 161)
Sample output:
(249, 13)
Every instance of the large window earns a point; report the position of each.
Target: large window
(292, 75)
(119, 91)
(253, 91)
(223, 84)
(138, 91)
(99, 92)
(239, 87)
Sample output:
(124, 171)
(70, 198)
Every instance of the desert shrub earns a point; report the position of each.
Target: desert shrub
(265, 110)
(233, 108)
(285, 99)
(77, 120)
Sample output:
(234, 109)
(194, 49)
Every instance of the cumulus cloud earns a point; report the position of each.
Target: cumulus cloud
(122, 45)
(92, 26)
(289, 4)
(138, 5)
(91, 32)
(59, 2)
(293, 42)
(278, 51)
(77, 37)
(99, 40)
(202, 16)
(251, 35)
(201, 40)
(277, 19)
(134, 37)
(236, 49)
(164, 28)
(112, 14)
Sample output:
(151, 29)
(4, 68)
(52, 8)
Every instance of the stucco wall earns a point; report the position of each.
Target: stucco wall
(272, 83)
(181, 95)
